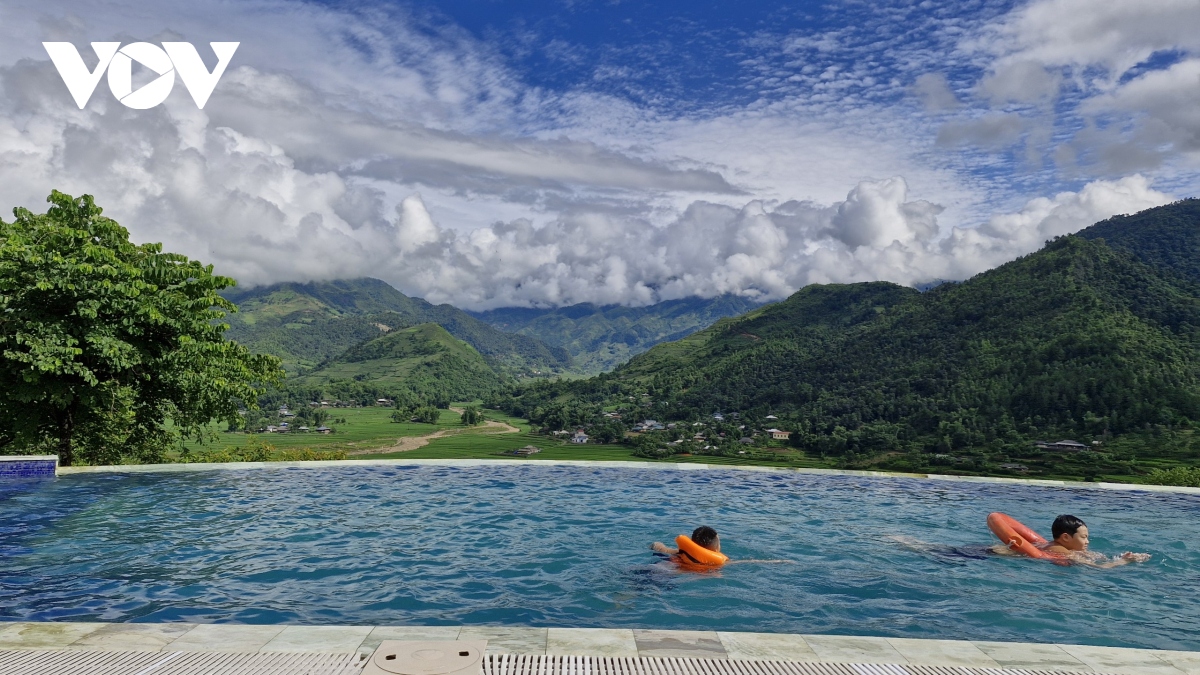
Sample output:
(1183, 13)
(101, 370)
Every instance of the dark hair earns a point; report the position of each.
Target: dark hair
(1066, 525)
(704, 535)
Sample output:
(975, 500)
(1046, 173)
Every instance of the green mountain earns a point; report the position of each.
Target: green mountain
(1082, 340)
(425, 359)
(308, 324)
(1167, 238)
(599, 338)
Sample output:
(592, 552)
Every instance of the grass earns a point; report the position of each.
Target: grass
(370, 428)
(364, 428)
(373, 428)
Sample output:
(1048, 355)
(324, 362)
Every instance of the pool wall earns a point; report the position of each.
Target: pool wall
(151, 468)
(21, 467)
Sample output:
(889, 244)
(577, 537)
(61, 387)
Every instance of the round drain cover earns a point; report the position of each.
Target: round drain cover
(427, 658)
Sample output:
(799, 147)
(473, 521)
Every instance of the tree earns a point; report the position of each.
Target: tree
(471, 416)
(427, 414)
(319, 417)
(105, 341)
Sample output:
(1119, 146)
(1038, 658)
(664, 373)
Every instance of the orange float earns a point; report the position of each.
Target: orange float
(692, 553)
(1020, 538)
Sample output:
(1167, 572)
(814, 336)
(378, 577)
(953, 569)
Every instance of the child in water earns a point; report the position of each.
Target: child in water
(1071, 540)
(705, 537)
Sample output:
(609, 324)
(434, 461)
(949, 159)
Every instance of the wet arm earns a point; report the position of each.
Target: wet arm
(659, 547)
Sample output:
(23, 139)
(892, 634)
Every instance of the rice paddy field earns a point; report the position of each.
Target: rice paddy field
(372, 430)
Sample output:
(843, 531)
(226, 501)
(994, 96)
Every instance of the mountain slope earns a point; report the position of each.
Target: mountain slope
(424, 359)
(601, 337)
(1167, 237)
(306, 324)
(1079, 340)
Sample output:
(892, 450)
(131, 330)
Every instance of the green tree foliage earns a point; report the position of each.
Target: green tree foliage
(319, 417)
(104, 340)
(422, 362)
(427, 415)
(471, 415)
(1186, 476)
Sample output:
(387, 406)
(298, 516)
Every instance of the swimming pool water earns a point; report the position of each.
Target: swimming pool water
(568, 546)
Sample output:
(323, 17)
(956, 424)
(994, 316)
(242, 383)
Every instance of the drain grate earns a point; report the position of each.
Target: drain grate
(519, 664)
(81, 662)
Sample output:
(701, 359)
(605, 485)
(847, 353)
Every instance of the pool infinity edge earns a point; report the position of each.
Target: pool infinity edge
(219, 466)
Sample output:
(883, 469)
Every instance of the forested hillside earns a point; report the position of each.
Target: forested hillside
(1081, 340)
(421, 362)
(307, 324)
(1167, 238)
(599, 338)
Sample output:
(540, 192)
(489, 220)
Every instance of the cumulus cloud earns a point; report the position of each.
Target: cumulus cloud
(441, 181)
(1132, 70)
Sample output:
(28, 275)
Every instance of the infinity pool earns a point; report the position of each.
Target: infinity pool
(568, 546)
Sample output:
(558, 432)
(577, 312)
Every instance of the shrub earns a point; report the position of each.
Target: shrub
(260, 451)
(1184, 476)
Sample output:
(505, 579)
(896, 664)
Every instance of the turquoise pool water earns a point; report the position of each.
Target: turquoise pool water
(568, 546)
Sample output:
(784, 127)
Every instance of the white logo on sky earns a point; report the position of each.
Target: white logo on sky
(166, 61)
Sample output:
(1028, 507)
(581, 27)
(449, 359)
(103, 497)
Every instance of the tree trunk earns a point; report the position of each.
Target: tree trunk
(66, 427)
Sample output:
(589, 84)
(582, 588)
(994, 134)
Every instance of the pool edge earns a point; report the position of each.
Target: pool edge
(164, 468)
(629, 642)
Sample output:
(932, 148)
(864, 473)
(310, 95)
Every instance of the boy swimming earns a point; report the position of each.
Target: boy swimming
(1069, 545)
(703, 536)
(1071, 541)
(705, 550)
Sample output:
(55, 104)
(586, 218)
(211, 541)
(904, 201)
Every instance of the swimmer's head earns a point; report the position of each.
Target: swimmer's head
(1070, 533)
(707, 537)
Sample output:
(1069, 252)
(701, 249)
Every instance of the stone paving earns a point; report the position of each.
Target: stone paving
(601, 642)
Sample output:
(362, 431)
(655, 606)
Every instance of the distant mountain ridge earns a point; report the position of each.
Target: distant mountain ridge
(1093, 336)
(601, 337)
(306, 324)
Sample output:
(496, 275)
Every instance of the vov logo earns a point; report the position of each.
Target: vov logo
(171, 58)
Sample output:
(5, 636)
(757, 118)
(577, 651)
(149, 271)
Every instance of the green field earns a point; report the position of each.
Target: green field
(364, 428)
(373, 428)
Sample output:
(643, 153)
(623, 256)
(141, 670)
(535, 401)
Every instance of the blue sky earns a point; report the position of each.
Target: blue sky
(553, 152)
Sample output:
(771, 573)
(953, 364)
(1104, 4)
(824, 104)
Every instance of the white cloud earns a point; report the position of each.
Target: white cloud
(418, 159)
(1020, 81)
(1111, 60)
(934, 91)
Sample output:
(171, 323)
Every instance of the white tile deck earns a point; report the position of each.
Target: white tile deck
(733, 646)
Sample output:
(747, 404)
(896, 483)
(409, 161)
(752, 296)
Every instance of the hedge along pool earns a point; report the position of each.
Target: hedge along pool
(568, 546)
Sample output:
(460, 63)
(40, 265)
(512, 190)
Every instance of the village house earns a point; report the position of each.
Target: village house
(1067, 445)
(579, 437)
(779, 434)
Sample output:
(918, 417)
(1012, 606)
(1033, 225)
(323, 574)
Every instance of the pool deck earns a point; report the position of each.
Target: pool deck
(166, 637)
(651, 466)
